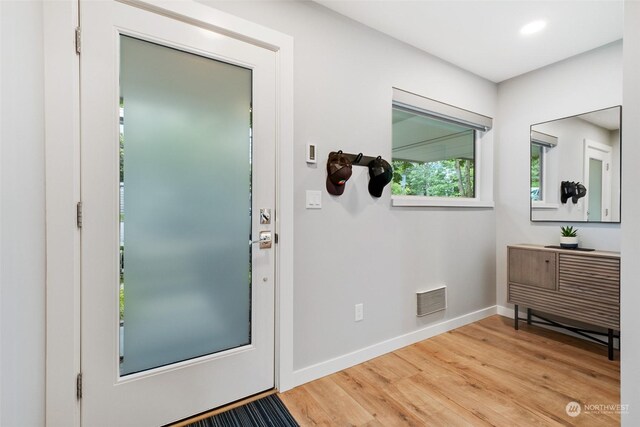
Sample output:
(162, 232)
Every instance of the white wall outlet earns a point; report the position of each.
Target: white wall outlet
(312, 153)
(314, 199)
(359, 312)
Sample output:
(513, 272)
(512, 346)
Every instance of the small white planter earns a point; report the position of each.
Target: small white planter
(569, 242)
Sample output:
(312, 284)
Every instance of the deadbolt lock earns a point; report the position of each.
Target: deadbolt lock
(265, 216)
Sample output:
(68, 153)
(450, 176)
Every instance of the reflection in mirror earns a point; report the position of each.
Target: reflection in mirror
(536, 173)
(583, 149)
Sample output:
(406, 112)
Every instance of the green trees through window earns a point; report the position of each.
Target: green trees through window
(432, 157)
(444, 178)
(536, 172)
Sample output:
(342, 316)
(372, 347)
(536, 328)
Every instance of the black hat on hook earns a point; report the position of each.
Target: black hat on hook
(579, 192)
(380, 174)
(567, 190)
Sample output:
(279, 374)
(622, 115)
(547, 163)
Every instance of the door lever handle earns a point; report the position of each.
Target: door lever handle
(264, 239)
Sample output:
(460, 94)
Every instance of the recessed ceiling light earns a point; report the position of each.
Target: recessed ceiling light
(533, 27)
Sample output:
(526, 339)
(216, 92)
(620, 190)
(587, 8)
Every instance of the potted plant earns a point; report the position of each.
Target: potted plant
(568, 237)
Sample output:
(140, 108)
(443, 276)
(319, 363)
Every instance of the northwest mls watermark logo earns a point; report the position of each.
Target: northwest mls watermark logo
(573, 409)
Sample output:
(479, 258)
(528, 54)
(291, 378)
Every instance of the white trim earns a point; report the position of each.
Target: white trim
(1, 203)
(483, 181)
(543, 205)
(603, 152)
(63, 189)
(285, 216)
(440, 202)
(505, 311)
(62, 182)
(543, 139)
(417, 103)
(339, 363)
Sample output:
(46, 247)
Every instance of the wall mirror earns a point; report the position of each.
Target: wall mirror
(574, 154)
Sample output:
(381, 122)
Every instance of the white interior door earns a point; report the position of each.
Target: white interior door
(597, 179)
(178, 159)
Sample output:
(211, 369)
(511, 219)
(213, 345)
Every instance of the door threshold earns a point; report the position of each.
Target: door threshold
(224, 408)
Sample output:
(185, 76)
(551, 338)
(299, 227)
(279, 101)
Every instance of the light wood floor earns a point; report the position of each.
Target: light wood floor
(485, 373)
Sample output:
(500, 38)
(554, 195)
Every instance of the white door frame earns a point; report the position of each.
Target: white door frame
(62, 163)
(603, 152)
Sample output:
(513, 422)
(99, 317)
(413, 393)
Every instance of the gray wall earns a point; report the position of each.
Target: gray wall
(584, 83)
(22, 268)
(630, 291)
(355, 250)
(358, 249)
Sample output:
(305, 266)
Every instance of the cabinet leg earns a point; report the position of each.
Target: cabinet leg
(610, 344)
(515, 317)
(528, 316)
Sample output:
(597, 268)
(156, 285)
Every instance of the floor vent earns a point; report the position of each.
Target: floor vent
(432, 301)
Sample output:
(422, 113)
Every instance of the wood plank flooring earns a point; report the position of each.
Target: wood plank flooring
(482, 374)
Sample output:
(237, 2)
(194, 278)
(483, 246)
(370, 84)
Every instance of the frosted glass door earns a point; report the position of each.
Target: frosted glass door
(185, 205)
(178, 148)
(595, 190)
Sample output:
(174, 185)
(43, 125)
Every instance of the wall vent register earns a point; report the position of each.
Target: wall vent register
(431, 301)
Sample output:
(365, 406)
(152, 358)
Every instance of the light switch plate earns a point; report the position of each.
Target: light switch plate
(314, 199)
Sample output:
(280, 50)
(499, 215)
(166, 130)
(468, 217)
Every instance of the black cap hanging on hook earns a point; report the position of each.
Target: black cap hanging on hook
(380, 174)
(580, 192)
(567, 190)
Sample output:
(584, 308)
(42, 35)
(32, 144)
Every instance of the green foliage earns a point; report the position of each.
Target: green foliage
(444, 178)
(535, 172)
(568, 231)
(121, 303)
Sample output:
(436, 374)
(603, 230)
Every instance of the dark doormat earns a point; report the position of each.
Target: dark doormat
(268, 411)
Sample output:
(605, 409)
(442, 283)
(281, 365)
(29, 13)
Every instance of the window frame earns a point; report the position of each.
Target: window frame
(483, 149)
(474, 149)
(546, 143)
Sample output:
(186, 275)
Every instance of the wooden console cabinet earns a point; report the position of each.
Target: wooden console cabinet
(577, 285)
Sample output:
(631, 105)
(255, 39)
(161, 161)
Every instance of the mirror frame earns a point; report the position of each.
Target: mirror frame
(619, 221)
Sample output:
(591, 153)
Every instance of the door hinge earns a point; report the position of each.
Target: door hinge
(79, 386)
(275, 238)
(78, 40)
(79, 214)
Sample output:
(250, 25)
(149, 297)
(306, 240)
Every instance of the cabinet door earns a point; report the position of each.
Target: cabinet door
(533, 268)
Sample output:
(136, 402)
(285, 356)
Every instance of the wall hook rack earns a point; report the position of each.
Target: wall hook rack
(356, 159)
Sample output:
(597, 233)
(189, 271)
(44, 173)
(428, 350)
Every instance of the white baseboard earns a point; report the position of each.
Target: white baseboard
(331, 366)
(505, 311)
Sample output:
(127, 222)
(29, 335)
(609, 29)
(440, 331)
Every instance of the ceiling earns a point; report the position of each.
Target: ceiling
(483, 36)
(608, 119)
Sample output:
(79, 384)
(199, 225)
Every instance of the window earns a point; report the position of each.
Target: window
(432, 157)
(436, 153)
(537, 175)
(540, 144)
